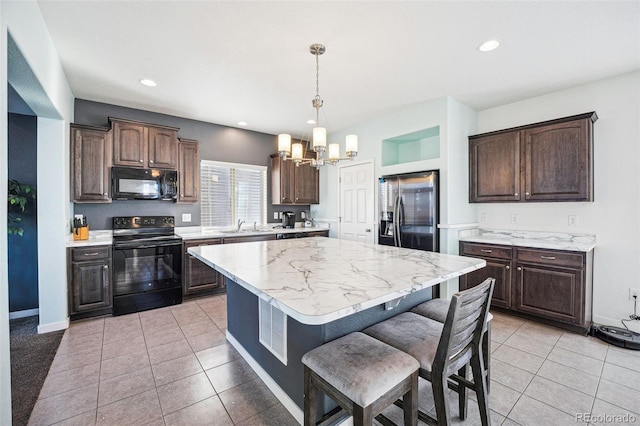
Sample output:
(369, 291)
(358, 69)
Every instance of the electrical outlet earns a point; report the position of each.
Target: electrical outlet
(483, 217)
(302, 215)
(573, 220)
(186, 217)
(514, 218)
(634, 292)
(275, 215)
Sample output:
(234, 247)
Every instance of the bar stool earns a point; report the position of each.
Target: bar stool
(437, 309)
(363, 375)
(444, 350)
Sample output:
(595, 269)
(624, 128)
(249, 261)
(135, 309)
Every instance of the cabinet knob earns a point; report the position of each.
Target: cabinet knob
(526, 193)
(141, 161)
(519, 268)
(516, 194)
(297, 198)
(507, 267)
(150, 161)
(486, 251)
(106, 267)
(105, 194)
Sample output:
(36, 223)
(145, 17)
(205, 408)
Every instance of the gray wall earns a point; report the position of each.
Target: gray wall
(217, 143)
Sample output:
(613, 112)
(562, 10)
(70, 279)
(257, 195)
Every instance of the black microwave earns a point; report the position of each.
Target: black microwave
(143, 184)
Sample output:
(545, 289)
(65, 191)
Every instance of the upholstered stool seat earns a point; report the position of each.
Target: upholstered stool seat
(363, 375)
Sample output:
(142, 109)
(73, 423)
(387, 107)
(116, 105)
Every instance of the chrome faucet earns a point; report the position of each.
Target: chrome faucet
(240, 222)
(255, 226)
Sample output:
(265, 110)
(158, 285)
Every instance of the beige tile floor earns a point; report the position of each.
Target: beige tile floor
(173, 366)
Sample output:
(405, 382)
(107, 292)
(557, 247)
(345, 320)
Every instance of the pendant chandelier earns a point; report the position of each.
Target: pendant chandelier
(295, 152)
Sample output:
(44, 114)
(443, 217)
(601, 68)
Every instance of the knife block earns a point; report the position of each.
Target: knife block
(81, 233)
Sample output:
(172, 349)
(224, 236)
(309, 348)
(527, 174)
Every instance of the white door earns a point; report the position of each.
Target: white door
(357, 185)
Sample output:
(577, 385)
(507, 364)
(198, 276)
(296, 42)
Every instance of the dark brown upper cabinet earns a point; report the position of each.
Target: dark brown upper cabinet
(137, 144)
(291, 184)
(90, 164)
(188, 171)
(548, 161)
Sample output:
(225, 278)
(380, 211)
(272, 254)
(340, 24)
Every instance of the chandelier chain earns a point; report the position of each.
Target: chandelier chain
(317, 76)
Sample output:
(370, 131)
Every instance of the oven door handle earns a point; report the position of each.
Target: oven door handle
(145, 246)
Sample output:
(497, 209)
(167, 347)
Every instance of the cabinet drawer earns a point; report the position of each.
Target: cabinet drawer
(90, 253)
(568, 260)
(485, 250)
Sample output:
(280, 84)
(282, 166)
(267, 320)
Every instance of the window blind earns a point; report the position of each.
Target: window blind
(231, 192)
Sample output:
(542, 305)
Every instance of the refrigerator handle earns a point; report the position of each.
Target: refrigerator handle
(397, 220)
(400, 219)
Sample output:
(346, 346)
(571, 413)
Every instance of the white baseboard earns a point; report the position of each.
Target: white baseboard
(282, 396)
(53, 326)
(25, 313)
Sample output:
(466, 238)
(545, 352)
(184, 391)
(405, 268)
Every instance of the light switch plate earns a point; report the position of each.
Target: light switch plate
(275, 215)
(186, 217)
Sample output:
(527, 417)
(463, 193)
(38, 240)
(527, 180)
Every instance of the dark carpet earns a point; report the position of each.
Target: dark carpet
(31, 357)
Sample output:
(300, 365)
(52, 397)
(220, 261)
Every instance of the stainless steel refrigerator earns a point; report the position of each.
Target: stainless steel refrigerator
(409, 211)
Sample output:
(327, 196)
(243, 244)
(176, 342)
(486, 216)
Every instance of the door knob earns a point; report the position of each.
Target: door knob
(367, 230)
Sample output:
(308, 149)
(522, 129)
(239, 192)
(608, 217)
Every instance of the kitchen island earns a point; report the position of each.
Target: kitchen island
(286, 297)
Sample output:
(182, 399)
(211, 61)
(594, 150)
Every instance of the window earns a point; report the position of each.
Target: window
(230, 192)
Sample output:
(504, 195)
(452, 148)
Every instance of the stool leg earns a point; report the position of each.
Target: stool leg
(310, 398)
(410, 402)
(486, 354)
(439, 386)
(481, 389)
(462, 394)
(362, 416)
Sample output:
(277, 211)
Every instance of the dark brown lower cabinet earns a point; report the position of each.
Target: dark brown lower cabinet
(197, 277)
(90, 292)
(552, 286)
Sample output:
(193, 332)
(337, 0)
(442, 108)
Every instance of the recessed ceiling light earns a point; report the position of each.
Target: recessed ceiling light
(242, 123)
(148, 82)
(489, 45)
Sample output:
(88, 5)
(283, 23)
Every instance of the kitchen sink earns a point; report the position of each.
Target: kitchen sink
(246, 231)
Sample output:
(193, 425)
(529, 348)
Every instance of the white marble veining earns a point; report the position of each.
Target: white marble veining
(197, 232)
(551, 240)
(318, 280)
(96, 238)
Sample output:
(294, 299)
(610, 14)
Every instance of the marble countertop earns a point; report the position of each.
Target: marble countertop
(546, 240)
(196, 232)
(104, 237)
(96, 238)
(318, 280)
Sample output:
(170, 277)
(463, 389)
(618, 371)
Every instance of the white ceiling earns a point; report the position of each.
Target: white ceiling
(227, 61)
